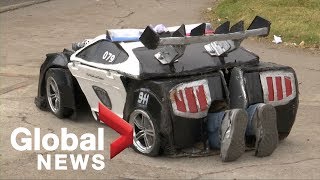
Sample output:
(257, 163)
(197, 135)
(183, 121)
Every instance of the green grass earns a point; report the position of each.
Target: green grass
(294, 20)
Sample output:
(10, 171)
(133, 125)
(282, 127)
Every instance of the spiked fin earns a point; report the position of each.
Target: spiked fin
(260, 22)
(199, 30)
(238, 27)
(181, 32)
(223, 28)
(149, 38)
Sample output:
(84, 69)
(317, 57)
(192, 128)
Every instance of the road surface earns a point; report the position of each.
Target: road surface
(27, 34)
(12, 2)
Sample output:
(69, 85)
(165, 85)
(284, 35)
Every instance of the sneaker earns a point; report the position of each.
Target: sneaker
(264, 124)
(233, 129)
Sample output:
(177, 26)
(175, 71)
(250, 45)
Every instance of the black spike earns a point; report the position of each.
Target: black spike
(181, 32)
(199, 30)
(260, 22)
(149, 38)
(223, 28)
(238, 27)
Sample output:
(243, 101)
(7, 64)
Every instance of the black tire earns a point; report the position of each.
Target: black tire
(148, 124)
(53, 89)
(283, 136)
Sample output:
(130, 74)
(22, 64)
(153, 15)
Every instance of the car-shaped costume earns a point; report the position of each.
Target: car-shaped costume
(166, 82)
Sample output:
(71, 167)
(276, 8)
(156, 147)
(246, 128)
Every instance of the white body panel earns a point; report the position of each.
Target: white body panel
(188, 27)
(129, 67)
(105, 76)
(108, 80)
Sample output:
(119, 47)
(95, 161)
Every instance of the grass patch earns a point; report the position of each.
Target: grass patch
(294, 20)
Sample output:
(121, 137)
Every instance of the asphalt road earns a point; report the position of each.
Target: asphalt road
(11, 2)
(29, 33)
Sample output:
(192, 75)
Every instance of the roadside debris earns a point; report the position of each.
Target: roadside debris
(291, 44)
(277, 39)
(302, 43)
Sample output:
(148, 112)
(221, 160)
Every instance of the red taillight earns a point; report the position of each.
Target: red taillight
(278, 87)
(191, 99)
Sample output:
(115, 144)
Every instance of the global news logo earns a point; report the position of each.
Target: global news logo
(23, 140)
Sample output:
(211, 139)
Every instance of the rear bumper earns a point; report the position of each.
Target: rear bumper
(185, 104)
(178, 128)
(246, 86)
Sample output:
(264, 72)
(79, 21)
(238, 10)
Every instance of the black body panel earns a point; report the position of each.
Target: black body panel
(176, 132)
(58, 62)
(249, 76)
(195, 60)
(188, 131)
(252, 86)
(156, 107)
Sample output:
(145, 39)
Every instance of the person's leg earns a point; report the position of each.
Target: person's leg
(262, 123)
(226, 131)
(213, 127)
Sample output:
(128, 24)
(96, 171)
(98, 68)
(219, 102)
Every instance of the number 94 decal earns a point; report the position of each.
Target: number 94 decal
(108, 56)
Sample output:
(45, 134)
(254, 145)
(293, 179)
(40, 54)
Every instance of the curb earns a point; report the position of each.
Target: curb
(21, 5)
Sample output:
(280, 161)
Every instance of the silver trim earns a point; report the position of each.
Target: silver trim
(53, 94)
(144, 135)
(214, 37)
(242, 86)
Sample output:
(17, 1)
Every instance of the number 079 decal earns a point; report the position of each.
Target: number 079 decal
(108, 56)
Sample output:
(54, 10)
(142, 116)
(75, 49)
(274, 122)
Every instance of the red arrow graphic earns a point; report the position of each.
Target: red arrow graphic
(119, 125)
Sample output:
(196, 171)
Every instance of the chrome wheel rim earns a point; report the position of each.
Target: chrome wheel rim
(144, 135)
(53, 94)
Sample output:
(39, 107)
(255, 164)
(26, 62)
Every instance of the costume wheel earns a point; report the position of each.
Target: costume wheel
(146, 138)
(53, 95)
(283, 136)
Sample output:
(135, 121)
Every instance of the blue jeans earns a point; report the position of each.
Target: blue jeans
(214, 124)
(213, 127)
